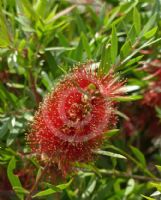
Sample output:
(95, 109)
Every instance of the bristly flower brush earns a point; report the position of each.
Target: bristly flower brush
(70, 124)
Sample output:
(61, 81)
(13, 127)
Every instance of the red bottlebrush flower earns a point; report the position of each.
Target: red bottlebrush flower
(142, 115)
(128, 127)
(152, 97)
(71, 121)
(142, 119)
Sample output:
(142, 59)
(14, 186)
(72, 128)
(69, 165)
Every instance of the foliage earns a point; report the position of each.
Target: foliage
(40, 40)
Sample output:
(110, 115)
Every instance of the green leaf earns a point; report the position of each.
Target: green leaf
(151, 33)
(130, 187)
(14, 180)
(131, 34)
(86, 45)
(44, 193)
(12, 136)
(139, 155)
(114, 45)
(80, 23)
(90, 188)
(27, 9)
(137, 20)
(128, 98)
(20, 190)
(38, 173)
(148, 25)
(59, 49)
(158, 111)
(46, 80)
(60, 14)
(122, 115)
(51, 14)
(112, 132)
(148, 198)
(4, 128)
(158, 167)
(134, 60)
(105, 59)
(52, 189)
(155, 194)
(4, 31)
(40, 7)
(59, 187)
(150, 42)
(110, 154)
(88, 167)
(78, 52)
(131, 88)
(126, 49)
(156, 185)
(15, 85)
(51, 61)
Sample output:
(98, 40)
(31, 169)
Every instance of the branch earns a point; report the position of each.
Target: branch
(32, 83)
(34, 187)
(126, 175)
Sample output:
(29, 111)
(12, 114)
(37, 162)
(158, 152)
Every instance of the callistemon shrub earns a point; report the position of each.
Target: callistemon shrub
(70, 124)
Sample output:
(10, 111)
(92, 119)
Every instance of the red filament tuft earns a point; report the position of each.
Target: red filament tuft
(71, 121)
